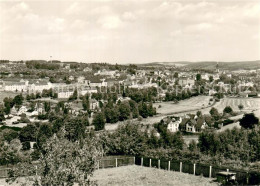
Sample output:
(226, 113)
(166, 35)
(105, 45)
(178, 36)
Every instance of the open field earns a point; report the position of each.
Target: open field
(250, 104)
(136, 175)
(7, 94)
(197, 102)
(133, 175)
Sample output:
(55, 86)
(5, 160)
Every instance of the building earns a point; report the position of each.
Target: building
(173, 126)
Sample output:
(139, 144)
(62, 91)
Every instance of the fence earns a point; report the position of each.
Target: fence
(105, 162)
(243, 177)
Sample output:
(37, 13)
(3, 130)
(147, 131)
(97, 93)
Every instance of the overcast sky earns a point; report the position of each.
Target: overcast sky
(126, 31)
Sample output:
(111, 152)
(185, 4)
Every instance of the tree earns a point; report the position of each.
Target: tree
(2, 114)
(85, 103)
(99, 121)
(143, 110)
(47, 106)
(249, 121)
(75, 128)
(111, 114)
(18, 100)
(228, 110)
(124, 111)
(198, 77)
(214, 113)
(28, 133)
(211, 79)
(62, 162)
(8, 103)
(240, 107)
(199, 113)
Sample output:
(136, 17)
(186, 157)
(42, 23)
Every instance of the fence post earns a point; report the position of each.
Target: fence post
(210, 171)
(227, 170)
(36, 169)
(180, 166)
(169, 165)
(142, 160)
(134, 160)
(98, 164)
(116, 162)
(159, 164)
(150, 163)
(194, 169)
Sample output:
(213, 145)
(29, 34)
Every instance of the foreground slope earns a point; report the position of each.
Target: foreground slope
(136, 175)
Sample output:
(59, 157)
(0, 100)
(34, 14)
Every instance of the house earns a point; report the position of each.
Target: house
(192, 124)
(22, 110)
(71, 78)
(98, 83)
(65, 94)
(186, 81)
(173, 126)
(87, 69)
(35, 86)
(20, 86)
(81, 79)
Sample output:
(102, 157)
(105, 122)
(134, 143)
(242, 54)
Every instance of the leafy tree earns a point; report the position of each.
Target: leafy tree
(8, 103)
(134, 108)
(199, 113)
(2, 114)
(75, 128)
(198, 77)
(111, 114)
(127, 139)
(124, 111)
(28, 133)
(9, 152)
(143, 110)
(214, 113)
(240, 107)
(249, 121)
(26, 145)
(18, 100)
(47, 106)
(44, 133)
(211, 79)
(62, 162)
(99, 121)
(228, 110)
(85, 103)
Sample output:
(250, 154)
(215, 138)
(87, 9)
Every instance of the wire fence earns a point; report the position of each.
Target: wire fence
(242, 177)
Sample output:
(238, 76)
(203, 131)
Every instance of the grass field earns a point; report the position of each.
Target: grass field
(136, 175)
(7, 94)
(197, 102)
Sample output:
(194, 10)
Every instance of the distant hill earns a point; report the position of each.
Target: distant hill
(209, 65)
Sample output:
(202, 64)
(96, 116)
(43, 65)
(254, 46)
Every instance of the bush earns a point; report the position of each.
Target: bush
(26, 145)
(249, 121)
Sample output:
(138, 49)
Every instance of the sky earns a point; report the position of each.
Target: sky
(130, 31)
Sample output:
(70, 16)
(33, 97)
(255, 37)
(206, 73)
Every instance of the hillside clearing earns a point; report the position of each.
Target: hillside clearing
(136, 175)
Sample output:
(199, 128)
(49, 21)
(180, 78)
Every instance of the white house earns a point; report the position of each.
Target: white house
(173, 126)
(65, 94)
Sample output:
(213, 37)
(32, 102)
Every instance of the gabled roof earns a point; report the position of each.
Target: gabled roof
(200, 122)
(184, 121)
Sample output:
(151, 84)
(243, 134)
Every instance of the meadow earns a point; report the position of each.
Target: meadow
(136, 175)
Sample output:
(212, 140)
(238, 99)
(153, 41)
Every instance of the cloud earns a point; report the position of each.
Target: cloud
(151, 30)
(129, 16)
(110, 22)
